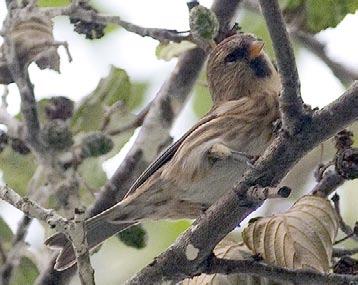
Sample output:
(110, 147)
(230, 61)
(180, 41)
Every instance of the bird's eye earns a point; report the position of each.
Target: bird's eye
(236, 54)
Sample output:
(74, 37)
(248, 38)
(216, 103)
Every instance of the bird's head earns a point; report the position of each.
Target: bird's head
(239, 67)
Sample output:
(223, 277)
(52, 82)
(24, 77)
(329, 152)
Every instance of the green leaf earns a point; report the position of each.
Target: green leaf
(53, 3)
(318, 15)
(202, 100)
(167, 51)
(5, 235)
(293, 4)
(92, 172)
(137, 94)
(118, 120)
(25, 273)
(88, 117)
(17, 169)
(322, 14)
(135, 237)
(111, 89)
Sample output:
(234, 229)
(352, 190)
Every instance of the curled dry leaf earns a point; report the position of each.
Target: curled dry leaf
(300, 238)
(33, 41)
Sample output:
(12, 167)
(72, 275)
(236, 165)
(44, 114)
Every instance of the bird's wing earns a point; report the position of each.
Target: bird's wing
(166, 155)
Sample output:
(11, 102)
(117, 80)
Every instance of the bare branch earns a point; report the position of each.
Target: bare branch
(79, 240)
(346, 229)
(137, 122)
(93, 17)
(291, 104)
(30, 208)
(74, 230)
(258, 194)
(225, 266)
(330, 182)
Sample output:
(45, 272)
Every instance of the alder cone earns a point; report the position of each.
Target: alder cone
(300, 238)
(347, 163)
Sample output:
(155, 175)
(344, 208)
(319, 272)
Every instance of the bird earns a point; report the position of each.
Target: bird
(204, 164)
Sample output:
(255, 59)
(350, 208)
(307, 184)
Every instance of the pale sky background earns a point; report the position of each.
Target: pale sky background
(137, 56)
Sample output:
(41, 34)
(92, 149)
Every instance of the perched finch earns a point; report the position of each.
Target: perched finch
(204, 163)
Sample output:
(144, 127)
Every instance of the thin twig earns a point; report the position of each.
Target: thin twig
(291, 104)
(93, 17)
(78, 238)
(74, 230)
(109, 111)
(137, 122)
(330, 181)
(30, 208)
(346, 229)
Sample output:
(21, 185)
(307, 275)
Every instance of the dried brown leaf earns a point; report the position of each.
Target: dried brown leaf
(33, 41)
(300, 238)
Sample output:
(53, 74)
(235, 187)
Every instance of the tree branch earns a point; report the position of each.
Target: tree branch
(20, 76)
(291, 104)
(252, 267)
(329, 182)
(93, 17)
(74, 230)
(228, 212)
(344, 74)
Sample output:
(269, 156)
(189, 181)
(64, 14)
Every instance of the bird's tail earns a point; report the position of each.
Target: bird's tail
(98, 230)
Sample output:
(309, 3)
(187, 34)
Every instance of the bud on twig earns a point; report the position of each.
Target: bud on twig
(204, 25)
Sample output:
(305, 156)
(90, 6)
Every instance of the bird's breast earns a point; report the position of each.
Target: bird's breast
(219, 178)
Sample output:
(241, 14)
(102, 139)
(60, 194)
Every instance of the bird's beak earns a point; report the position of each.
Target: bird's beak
(255, 49)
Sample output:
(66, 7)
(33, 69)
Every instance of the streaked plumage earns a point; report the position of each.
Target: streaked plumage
(184, 181)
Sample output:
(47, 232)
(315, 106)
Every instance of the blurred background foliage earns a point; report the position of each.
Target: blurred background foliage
(127, 256)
